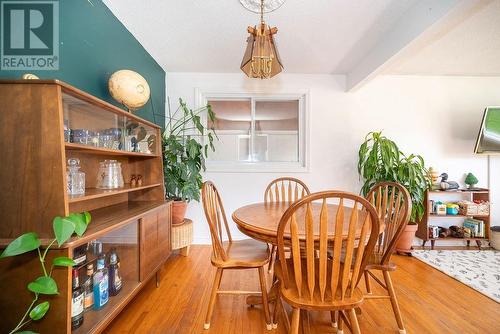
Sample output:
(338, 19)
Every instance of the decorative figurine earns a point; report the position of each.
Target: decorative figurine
(133, 181)
(471, 181)
(434, 175)
(139, 180)
(448, 185)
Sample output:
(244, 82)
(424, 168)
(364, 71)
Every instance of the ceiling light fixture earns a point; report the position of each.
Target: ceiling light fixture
(261, 58)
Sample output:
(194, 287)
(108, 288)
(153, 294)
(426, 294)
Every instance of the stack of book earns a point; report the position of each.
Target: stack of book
(474, 227)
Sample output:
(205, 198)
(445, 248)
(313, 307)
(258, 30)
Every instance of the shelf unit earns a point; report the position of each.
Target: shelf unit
(433, 219)
(135, 221)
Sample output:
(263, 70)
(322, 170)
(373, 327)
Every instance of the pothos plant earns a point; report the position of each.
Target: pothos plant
(186, 142)
(381, 160)
(64, 228)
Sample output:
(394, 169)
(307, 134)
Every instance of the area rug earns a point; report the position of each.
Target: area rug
(479, 270)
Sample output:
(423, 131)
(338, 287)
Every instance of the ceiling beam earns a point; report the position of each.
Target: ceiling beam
(425, 16)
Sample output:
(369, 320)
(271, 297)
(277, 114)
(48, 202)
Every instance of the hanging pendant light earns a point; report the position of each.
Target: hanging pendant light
(261, 58)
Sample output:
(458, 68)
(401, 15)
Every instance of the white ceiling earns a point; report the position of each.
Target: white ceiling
(470, 47)
(315, 36)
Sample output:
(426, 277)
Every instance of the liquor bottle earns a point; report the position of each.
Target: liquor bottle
(88, 287)
(115, 279)
(80, 255)
(101, 281)
(76, 302)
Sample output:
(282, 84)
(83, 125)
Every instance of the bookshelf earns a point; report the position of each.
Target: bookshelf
(133, 220)
(432, 219)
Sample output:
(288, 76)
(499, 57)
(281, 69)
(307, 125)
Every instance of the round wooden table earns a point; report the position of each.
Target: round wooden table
(260, 221)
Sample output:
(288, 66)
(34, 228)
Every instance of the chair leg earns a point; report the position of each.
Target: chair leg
(272, 259)
(265, 302)
(354, 322)
(394, 302)
(367, 283)
(340, 324)
(333, 317)
(215, 287)
(295, 321)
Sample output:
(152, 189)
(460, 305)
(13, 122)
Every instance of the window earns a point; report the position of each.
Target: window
(258, 132)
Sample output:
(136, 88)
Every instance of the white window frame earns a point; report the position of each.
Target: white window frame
(302, 166)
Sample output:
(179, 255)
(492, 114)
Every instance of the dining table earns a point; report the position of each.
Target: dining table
(260, 221)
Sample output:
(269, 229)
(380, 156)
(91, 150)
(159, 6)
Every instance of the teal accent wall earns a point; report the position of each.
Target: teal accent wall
(93, 45)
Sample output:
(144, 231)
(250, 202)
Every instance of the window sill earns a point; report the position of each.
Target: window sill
(262, 167)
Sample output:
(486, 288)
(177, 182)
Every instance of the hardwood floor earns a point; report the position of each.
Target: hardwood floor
(431, 302)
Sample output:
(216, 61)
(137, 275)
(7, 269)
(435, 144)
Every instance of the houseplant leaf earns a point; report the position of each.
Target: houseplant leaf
(39, 311)
(43, 285)
(25, 243)
(79, 220)
(63, 261)
(63, 229)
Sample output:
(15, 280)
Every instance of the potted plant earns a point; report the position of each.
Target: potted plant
(381, 160)
(186, 142)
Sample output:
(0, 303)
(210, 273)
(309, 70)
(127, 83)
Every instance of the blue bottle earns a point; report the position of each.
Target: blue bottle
(101, 285)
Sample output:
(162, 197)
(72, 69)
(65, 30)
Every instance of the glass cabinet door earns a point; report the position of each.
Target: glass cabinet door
(108, 272)
(88, 124)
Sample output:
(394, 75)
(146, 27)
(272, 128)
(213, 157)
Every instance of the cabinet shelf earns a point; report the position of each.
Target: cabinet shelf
(112, 217)
(95, 320)
(105, 151)
(93, 193)
(433, 215)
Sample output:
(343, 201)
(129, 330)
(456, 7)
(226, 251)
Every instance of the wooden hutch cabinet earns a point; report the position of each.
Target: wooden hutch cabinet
(43, 124)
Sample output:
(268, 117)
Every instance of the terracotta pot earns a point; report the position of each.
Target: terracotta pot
(178, 212)
(406, 240)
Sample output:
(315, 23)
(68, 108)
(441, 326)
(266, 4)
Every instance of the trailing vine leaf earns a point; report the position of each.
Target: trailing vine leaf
(39, 311)
(63, 229)
(44, 285)
(79, 220)
(63, 261)
(22, 244)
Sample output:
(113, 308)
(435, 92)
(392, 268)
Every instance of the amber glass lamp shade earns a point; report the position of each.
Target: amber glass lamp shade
(261, 59)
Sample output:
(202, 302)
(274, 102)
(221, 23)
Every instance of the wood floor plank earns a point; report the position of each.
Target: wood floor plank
(430, 301)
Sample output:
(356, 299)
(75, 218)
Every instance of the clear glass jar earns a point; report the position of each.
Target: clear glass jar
(110, 175)
(75, 178)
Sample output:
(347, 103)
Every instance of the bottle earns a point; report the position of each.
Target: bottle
(88, 287)
(76, 302)
(75, 178)
(80, 255)
(115, 279)
(101, 281)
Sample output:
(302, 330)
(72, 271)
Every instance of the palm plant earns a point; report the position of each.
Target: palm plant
(381, 160)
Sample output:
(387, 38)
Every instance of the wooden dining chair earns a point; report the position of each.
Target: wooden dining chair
(320, 281)
(283, 190)
(229, 254)
(393, 204)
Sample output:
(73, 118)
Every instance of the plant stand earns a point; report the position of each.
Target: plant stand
(182, 236)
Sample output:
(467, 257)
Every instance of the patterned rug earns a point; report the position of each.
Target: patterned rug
(479, 270)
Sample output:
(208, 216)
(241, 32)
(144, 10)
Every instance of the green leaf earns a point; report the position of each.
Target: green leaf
(80, 223)
(87, 217)
(26, 332)
(25, 243)
(39, 311)
(63, 261)
(63, 229)
(43, 285)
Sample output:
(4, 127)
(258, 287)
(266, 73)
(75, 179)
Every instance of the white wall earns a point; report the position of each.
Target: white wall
(437, 117)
